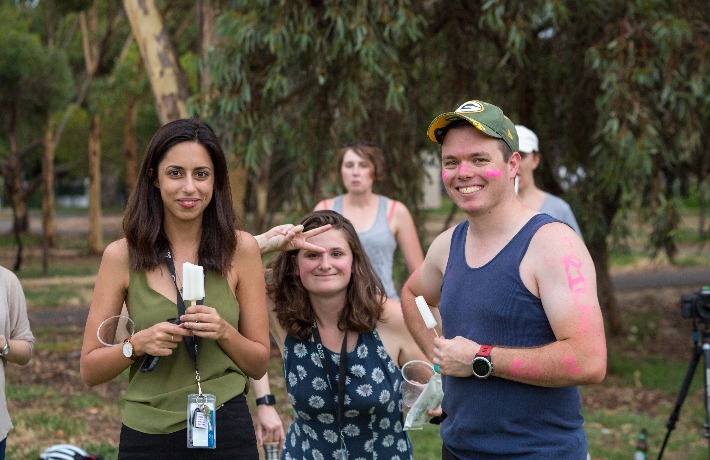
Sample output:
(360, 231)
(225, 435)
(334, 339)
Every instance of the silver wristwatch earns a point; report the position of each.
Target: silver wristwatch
(6, 349)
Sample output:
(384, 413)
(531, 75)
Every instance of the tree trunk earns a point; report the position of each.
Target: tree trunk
(48, 230)
(90, 43)
(130, 145)
(237, 183)
(13, 179)
(50, 146)
(206, 18)
(605, 288)
(13, 182)
(166, 78)
(96, 244)
(262, 190)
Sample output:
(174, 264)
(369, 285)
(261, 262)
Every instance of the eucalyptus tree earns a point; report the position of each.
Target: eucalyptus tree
(616, 91)
(653, 110)
(161, 62)
(293, 80)
(34, 81)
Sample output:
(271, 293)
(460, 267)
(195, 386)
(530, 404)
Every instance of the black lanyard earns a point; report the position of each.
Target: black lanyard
(342, 367)
(149, 361)
(190, 340)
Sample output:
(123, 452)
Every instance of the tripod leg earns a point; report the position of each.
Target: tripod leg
(706, 355)
(697, 351)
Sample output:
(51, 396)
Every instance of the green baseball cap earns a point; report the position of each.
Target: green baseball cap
(487, 118)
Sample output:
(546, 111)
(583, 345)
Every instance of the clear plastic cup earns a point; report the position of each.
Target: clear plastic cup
(114, 330)
(271, 450)
(416, 375)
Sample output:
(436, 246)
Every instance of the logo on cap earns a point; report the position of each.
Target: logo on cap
(470, 107)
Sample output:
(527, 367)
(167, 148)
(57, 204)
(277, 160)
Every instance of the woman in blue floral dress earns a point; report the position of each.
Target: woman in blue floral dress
(329, 307)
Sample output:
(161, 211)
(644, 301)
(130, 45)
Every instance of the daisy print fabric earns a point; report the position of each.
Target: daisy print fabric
(373, 403)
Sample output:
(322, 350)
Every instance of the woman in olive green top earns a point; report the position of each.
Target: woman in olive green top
(182, 206)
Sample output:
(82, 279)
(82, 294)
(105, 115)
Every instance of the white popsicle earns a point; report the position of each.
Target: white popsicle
(193, 282)
(425, 311)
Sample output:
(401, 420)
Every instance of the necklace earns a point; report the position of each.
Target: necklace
(178, 282)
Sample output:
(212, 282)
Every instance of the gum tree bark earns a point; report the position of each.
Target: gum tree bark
(166, 78)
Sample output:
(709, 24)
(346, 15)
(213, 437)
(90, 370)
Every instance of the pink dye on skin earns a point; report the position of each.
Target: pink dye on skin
(520, 370)
(463, 170)
(573, 268)
(494, 173)
(585, 310)
(444, 176)
(571, 363)
(578, 287)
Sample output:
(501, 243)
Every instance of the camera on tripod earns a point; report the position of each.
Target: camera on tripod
(696, 305)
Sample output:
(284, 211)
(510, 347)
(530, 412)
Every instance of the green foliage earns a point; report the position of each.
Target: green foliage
(299, 80)
(650, 110)
(33, 79)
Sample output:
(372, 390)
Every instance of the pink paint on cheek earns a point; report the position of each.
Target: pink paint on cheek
(444, 176)
(494, 173)
(571, 363)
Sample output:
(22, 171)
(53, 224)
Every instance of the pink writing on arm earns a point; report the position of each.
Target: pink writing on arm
(578, 287)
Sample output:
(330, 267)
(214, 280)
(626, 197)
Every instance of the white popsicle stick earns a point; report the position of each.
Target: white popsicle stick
(193, 282)
(425, 311)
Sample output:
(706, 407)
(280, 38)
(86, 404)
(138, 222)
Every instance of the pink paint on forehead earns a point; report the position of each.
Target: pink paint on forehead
(494, 173)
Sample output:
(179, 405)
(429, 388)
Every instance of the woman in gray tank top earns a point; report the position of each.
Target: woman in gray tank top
(382, 224)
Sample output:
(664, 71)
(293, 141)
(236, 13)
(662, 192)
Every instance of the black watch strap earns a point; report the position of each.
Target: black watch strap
(269, 400)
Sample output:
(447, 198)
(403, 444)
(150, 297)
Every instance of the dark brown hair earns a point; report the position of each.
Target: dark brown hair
(368, 151)
(143, 218)
(365, 298)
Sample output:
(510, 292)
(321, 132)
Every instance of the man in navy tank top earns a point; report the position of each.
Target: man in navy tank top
(515, 298)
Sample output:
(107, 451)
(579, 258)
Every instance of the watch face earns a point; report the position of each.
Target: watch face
(127, 349)
(481, 367)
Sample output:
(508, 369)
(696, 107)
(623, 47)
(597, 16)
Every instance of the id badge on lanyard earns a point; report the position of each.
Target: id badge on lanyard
(201, 421)
(201, 415)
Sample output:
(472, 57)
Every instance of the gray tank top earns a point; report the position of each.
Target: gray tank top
(379, 244)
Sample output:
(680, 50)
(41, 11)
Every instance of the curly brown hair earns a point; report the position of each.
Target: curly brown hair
(364, 302)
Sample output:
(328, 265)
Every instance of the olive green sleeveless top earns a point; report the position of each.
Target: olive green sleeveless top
(156, 402)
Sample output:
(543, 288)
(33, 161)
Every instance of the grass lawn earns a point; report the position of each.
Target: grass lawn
(50, 404)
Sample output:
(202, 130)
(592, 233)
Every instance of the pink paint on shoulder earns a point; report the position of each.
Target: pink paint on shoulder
(494, 173)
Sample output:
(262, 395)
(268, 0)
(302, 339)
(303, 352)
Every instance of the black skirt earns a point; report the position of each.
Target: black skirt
(235, 438)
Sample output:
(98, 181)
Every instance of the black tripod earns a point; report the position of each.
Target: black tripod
(701, 346)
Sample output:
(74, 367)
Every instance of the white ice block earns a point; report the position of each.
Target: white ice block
(193, 282)
(425, 311)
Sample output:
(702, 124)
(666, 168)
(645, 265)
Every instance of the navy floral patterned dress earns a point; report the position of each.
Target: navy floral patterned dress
(374, 422)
